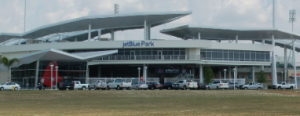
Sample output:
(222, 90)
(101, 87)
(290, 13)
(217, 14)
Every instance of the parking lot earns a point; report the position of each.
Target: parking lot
(158, 102)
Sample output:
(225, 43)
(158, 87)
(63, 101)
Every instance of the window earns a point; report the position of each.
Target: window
(180, 82)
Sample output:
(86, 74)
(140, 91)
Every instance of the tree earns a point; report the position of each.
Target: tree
(8, 63)
(208, 74)
(261, 78)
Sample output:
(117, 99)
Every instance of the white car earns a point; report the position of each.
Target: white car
(187, 84)
(218, 85)
(140, 85)
(118, 84)
(252, 86)
(9, 86)
(97, 85)
(79, 85)
(284, 85)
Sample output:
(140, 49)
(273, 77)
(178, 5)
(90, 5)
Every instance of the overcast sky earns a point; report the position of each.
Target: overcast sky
(221, 13)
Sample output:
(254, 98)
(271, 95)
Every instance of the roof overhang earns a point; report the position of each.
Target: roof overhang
(7, 36)
(52, 54)
(219, 33)
(116, 22)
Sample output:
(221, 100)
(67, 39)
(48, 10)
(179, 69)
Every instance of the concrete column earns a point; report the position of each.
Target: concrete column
(145, 30)
(99, 34)
(87, 78)
(236, 38)
(229, 73)
(236, 72)
(235, 76)
(99, 71)
(148, 32)
(274, 71)
(37, 73)
(90, 26)
(201, 73)
(199, 36)
(253, 74)
(145, 73)
(294, 65)
(112, 33)
(285, 63)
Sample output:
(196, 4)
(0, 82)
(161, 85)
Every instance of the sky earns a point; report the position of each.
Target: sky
(220, 13)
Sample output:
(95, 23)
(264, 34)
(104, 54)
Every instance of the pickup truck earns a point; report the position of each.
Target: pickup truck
(118, 84)
(252, 85)
(187, 84)
(284, 85)
(79, 85)
(97, 85)
(218, 85)
(66, 84)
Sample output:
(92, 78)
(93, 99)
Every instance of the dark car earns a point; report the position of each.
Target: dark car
(201, 86)
(66, 84)
(168, 85)
(154, 85)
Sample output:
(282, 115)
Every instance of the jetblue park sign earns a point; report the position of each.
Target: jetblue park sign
(137, 44)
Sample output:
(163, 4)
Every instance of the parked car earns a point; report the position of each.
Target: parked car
(118, 84)
(9, 86)
(187, 84)
(252, 85)
(231, 85)
(218, 85)
(97, 85)
(79, 85)
(175, 86)
(168, 85)
(201, 86)
(154, 85)
(66, 84)
(140, 85)
(284, 85)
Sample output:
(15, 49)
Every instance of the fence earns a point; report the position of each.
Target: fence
(125, 79)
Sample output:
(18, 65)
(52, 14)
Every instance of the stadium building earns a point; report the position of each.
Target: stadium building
(74, 48)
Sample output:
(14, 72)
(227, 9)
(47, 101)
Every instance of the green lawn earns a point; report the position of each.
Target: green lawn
(158, 102)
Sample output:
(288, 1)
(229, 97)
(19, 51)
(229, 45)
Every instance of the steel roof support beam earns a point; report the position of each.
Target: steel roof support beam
(294, 63)
(99, 34)
(148, 32)
(112, 34)
(236, 38)
(274, 70)
(145, 30)
(89, 36)
(199, 36)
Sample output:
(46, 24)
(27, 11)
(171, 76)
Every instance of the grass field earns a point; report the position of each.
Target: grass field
(158, 102)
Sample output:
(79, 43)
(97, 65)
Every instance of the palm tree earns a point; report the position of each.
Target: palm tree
(8, 63)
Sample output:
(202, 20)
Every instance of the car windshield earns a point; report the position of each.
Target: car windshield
(156, 83)
(2, 83)
(141, 83)
(223, 82)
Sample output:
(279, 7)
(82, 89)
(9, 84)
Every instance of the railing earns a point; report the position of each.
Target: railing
(149, 57)
(125, 79)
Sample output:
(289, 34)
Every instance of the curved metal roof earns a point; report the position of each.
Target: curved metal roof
(219, 33)
(116, 21)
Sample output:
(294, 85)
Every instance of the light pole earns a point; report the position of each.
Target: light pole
(56, 76)
(51, 75)
(225, 73)
(234, 76)
(145, 74)
(139, 69)
(281, 75)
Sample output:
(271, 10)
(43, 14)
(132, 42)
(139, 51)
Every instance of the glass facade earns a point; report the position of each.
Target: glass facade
(25, 74)
(235, 55)
(154, 51)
